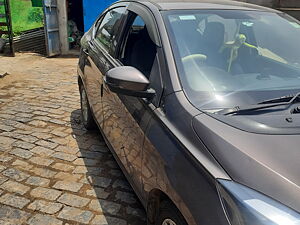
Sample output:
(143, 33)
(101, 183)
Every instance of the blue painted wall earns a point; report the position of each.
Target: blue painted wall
(92, 9)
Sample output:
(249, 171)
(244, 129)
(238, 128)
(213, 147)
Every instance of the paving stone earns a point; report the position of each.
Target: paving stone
(66, 149)
(14, 201)
(99, 148)
(97, 181)
(59, 133)
(6, 128)
(97, 193)
(38, 123)
(44, 172)
(67, 176)
(38, 181)
(125, 197)
(104, 206)
(22, 165)
(73, 200)
(42, 151)
(5, 159)
(12, 186)
(41, 161)
(3, 179)
(6, 142)
(85, 162)
(47, 144)
(45, 193)
(68, 186)
(25, 154)
(121, 184)
(107, 220)
(11, 216)
(23, 144)
(87, 170)
(45, 206)
(44, 219)
(136, 212)
(41, 135)
(28, 138)
(64, 156)
(15, 174)
(2, 168)
(63, 167)
(77, 215)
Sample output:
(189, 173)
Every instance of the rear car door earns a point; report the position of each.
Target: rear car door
(126, 117)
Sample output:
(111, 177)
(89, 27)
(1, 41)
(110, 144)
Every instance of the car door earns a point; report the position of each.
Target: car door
(126, 117)
(98, 57)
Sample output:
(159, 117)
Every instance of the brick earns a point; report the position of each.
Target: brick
(97, 192)
(10, 216)
(23, 144)
(125, 197)
(44, 219)
(22, 165)
(98, 181)
(77, 215)
(107, 220)
(64, 156)
(45, 206)
(12, 186)
(73, 200)
(68, 186)
(25, 154)
(42, 151)
(38, 181)
(14, 201)
(104, 206)
(45, 193)
(15, 174)
(63, 167)
(5, 159)
(67, 176)
(44, 172)
(47, 144)
(85, 162)
(41, 161)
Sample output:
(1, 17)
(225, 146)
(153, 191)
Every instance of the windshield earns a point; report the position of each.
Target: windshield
(228, 58)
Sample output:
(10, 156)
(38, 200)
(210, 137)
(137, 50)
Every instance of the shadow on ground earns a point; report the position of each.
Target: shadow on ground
(115, 198)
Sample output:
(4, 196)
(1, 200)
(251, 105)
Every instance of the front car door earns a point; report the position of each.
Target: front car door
(126, 117)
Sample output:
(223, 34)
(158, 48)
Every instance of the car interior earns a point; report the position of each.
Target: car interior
(139, 50)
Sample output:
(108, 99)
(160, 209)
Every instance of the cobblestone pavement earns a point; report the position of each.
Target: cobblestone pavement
(52, 171)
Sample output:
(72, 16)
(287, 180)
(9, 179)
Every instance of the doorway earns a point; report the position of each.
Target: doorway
(75, 23)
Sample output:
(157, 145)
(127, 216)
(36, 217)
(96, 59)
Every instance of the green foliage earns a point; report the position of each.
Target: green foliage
(35, 15)
(24, 16)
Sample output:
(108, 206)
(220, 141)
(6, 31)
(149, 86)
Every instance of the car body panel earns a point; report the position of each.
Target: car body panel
(166, 143)
(275, 157)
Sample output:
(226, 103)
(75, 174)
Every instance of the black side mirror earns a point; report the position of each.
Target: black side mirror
(129, 81)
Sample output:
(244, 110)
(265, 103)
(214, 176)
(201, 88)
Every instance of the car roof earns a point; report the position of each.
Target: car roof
(204, 4)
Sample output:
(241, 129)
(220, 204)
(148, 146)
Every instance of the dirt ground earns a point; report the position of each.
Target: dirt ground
(53, 171)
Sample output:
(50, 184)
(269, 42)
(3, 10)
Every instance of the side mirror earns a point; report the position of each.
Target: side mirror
(129, 81)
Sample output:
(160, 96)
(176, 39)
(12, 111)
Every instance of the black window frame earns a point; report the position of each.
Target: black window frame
(99, 23)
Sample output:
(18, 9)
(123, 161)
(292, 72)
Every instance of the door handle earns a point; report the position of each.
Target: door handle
(85, 51)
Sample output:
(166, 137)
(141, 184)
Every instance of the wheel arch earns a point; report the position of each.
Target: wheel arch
(155, 198)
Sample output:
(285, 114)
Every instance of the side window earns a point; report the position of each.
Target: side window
(109, 26)
(138, 50)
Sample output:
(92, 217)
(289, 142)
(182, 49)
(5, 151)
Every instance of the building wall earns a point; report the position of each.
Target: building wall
(92, 9)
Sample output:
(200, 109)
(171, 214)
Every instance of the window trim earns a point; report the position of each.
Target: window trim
(97, 42)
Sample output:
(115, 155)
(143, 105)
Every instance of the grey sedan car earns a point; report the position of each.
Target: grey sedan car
(198, 101)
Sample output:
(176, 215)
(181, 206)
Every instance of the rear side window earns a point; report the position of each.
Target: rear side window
(109, 27)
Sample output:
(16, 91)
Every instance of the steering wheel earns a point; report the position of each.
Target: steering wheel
(202, 58)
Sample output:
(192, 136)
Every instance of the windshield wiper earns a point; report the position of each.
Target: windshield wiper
(282, 101)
